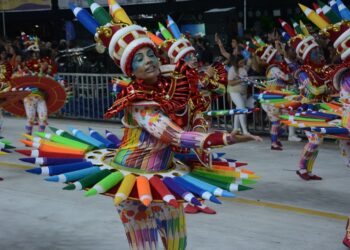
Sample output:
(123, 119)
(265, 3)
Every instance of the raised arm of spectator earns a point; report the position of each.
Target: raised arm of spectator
(223, 51)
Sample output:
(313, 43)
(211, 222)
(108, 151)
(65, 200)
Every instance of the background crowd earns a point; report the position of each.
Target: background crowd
(240, 64)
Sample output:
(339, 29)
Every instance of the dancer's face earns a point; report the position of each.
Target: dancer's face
(191, 60)
(145, 65)
(316, 56)
(278, 57)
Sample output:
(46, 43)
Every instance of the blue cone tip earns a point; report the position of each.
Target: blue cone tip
(52, 178)
(34, 170)
(214, 199)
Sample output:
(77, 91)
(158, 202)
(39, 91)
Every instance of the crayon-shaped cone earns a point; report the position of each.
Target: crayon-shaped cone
(52, 148)
(196, 190)
(319, 12)
(144, 190)
(207, 186)
(303, 28)
(285, 35)
(118, 13)
(287, 28)
(221, 177)
(165, 32)
(88, 181)
(84, 18)
(158, 41)
(296, 27)
(51, 161)
(125, 189)
(38, 153)
(74, 175)
(329, 13)
(65, 134)
(313, 17)
(88, 139)
(113, 138)
(60, 169)
(5, 145)
(158, 34)
(232, 169)
(172, 26)
(39, 140)
(343, 10)
(64, 141)
(99, 13)
(179, 190)
(164, 192)
(99, 137)
(334, 6)
(105, 184)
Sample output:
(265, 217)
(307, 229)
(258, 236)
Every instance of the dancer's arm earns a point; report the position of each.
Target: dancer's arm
(152, 119)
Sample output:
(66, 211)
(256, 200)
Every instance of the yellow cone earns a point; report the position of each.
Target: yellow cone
(303, 28)
(118, 13)
(313, 17)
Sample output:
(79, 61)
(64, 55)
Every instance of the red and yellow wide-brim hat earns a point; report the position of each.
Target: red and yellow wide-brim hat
(55, 93)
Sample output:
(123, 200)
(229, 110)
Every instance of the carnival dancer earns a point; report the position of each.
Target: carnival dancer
(206, 86)
(346, 240)
(336, 29)
(5, 75)
(6, 97)
(38, 76)
(144, 159)
(278, 75)
(315, 87)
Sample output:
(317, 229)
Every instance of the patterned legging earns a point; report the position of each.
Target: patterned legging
(345, 151)
(142, 225)
(273, 115)
(310, 152)
(33, 105)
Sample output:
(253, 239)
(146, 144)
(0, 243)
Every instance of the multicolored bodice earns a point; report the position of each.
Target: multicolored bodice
(150, 135)
(140, 149)
(345, 99)
(314, 86)
(277, 77)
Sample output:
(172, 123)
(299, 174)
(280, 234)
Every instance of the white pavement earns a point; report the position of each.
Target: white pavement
(283, 213)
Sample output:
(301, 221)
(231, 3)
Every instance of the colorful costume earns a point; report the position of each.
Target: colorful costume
(336, 29)
(315, 88)
(6, 97)
(141, 174)
(48, 94)
(346, 240)
(175, 49)
(274, 90)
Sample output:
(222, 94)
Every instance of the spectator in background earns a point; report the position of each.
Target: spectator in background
(238, 91)
(207, 54)
(236, 48)
(3, 55)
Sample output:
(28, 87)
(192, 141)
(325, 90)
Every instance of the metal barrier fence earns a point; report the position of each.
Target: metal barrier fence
(257, 122)
(91, 97)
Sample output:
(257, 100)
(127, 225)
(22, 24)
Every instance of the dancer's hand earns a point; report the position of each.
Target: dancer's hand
(210, 72)
(238, 137)
(218, 40)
